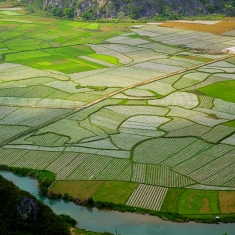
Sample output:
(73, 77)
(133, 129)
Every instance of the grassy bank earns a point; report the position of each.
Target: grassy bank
(170, 208)
(45, 178)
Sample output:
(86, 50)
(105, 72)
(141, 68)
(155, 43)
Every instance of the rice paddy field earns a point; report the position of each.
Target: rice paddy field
(120, 112)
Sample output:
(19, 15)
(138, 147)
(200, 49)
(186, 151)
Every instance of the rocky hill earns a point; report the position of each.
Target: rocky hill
(22, 214)
(93, 9)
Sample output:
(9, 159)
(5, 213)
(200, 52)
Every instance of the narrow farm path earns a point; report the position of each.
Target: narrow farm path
(75, 110)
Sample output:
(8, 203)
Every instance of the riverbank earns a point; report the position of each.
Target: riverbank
(126, 223)
(46, 178)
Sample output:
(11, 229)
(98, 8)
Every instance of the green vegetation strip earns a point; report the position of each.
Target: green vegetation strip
(45, 178)
(224, 90)
(116, 192)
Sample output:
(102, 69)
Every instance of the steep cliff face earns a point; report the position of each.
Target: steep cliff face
(134, 8)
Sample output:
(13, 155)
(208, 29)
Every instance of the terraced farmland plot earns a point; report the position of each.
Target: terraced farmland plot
(161, 48)
(229, 140)
(37, 159)
(214, 167)
(90, 168)
(144, 122)
(164, 176)
(147, 196)
(48, 140)
(138, 93)
(31, 116)
(182, 99)
(223, 106)
(139, 173)
(206, 102)
(158, 149)
(158, 67)
(24, 72)
(202, 159)
(9, 131)
(99, 144)
(107, 120)
(194, 130)
(67, 128)
(195, 148)
(120, 140)
(67, 86)
(61, 162)
(10, 156)
(138, 110)
(97, 131)
(218, 133)
(225, 177)
(71, 166)
(134, 73)
(158, 87)
(114, 170)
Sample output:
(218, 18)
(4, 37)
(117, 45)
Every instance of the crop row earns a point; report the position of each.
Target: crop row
(201, 159)
(149, 197)
(67, 170)
(206, 101)
(144, 122)
(217, 133)
(114, 170)
(230, 140)
(10, 131)
(37, 159)
(120, 140)
(9, 156)
(67, 128)
(158, 67)
(61, 162)
(88, 126)
(195, 148)
(47, 139)
(224, 106)
(164, 176)
(195, 130)
(213, 167)
(182, 99)
(161, 48)
(158, 175)
(156, 150)
(89, 168)
(138, 110)
(134, 73)
(225, 177)
(176, 124)
(31, 116)
(99, 144)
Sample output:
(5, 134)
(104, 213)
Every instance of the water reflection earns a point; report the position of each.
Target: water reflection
(125, 223)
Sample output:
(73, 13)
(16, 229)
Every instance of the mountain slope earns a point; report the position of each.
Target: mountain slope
(92, 9)
(22, 214)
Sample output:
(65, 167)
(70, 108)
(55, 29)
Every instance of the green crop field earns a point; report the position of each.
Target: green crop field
(141, 115)
(223, 90)
(199, 202)
(117, 192)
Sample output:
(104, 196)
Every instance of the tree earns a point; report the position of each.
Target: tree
(57, 11)
(87, 15)
(68, 12)
(133, 11)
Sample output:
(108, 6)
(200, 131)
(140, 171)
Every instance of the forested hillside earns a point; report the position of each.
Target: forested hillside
(22, 214)
(93, 9)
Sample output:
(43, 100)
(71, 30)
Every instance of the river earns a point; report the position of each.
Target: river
(110, 221)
